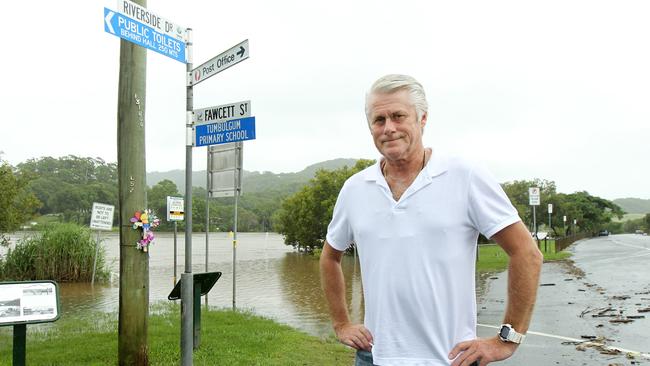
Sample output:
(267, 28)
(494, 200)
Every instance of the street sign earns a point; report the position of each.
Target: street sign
(219, 63)
(143, 35)
(102, 216)
(147, 17)
(224, 132)
(533, 196)
(222, 112)
(28, 302)
(175, 208)
(550, 208)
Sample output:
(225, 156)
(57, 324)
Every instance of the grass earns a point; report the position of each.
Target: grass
(493, 258)
(227, 338)
(62, 252)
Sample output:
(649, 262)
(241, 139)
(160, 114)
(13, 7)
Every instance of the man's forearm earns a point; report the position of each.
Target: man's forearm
(523, 280)
(334, 287)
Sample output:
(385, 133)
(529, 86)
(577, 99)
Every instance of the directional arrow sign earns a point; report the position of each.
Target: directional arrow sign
(135, 32)
(224, 132)
(223, 61)
(222, 112)
(143, 15)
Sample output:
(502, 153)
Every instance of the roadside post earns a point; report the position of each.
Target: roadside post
(175, 213)
(23, 303)
(564, 224)
(550, 223)
(533, 199)
(100, 219)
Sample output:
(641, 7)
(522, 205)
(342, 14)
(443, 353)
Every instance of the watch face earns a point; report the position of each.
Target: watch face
(503, 333)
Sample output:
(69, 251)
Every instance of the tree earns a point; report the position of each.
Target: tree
(17, 204)
(304, 216)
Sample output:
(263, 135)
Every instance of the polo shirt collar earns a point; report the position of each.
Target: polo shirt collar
(435, 167)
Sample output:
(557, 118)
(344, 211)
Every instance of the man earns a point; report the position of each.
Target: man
(415, 217)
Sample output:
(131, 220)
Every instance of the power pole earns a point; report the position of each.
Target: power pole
(134, 263)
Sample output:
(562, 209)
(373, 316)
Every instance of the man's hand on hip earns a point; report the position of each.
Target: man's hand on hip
(483, 350)
(354, 335)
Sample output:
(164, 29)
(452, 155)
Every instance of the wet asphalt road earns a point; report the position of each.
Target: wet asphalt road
(610, 276)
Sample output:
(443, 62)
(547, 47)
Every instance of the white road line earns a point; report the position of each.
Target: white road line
(630, 245)
(583, 341)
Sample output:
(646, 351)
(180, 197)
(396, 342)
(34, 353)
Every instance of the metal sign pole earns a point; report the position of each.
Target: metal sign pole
(207, 215)
(92, 282)
(239, 154)
(187, 286)
(175, 251)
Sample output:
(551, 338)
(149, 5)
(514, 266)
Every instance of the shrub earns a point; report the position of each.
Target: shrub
(62, 252)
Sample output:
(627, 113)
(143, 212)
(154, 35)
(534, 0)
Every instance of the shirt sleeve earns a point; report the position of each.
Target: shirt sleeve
(490, 209)
(339, 233)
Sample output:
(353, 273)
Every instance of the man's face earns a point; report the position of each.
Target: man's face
(395, 129)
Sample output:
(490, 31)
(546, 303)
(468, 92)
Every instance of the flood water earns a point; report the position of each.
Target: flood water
(273, 280)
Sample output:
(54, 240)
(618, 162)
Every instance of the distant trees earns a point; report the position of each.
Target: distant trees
(304, 216)
(69, 185)
(17, 203)
(591, 212)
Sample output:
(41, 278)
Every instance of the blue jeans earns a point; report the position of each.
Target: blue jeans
(364, 358)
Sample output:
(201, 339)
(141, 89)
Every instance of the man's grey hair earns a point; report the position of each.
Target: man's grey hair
(395, 82)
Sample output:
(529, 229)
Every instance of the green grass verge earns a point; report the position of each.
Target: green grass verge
(227, 338)
(493, 258)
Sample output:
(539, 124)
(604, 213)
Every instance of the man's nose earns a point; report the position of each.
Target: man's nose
(389, 126)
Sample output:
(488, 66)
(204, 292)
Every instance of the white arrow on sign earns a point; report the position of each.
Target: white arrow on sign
(108, 19)
(224, 60)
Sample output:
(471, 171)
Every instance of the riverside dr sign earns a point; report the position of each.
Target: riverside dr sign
(143, 35)
(224, 60)
(224, 132)
(143, 15)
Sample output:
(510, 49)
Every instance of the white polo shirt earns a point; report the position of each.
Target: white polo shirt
(418, 254)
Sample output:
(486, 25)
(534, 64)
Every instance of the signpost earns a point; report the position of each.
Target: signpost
(100, 219)
(134, 23)
(222, 61)
(175, 213)
(23, 303)
(143, 35)
(533, 199)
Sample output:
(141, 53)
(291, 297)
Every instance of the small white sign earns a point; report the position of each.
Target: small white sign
(102, 216)
(564, 218)
(533, 196)
(550, 208)
(28, 302)
(175, 208)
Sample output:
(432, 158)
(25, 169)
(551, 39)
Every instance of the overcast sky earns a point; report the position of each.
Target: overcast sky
(558, 90)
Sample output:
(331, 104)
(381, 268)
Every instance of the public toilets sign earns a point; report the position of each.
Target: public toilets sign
(143, 34)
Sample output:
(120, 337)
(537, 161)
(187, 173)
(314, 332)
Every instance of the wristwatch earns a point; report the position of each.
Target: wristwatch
(508, 334)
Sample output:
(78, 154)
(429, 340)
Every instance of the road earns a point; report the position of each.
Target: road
(610, 278)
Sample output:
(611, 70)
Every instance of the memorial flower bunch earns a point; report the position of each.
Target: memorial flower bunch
(147, 221)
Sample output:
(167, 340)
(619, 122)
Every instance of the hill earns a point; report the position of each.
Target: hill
(254, 181)
(633, 205)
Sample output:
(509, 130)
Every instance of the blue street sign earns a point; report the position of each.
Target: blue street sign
(224, 132)
(135, 32)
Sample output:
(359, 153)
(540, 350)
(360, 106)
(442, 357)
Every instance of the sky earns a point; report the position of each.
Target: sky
(557, 90)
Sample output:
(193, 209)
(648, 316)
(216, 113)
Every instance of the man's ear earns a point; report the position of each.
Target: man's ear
(423, 121)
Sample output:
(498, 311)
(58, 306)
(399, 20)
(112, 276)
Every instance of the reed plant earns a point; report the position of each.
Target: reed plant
(61, 252)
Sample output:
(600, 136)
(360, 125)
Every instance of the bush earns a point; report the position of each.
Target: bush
(63, 252)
